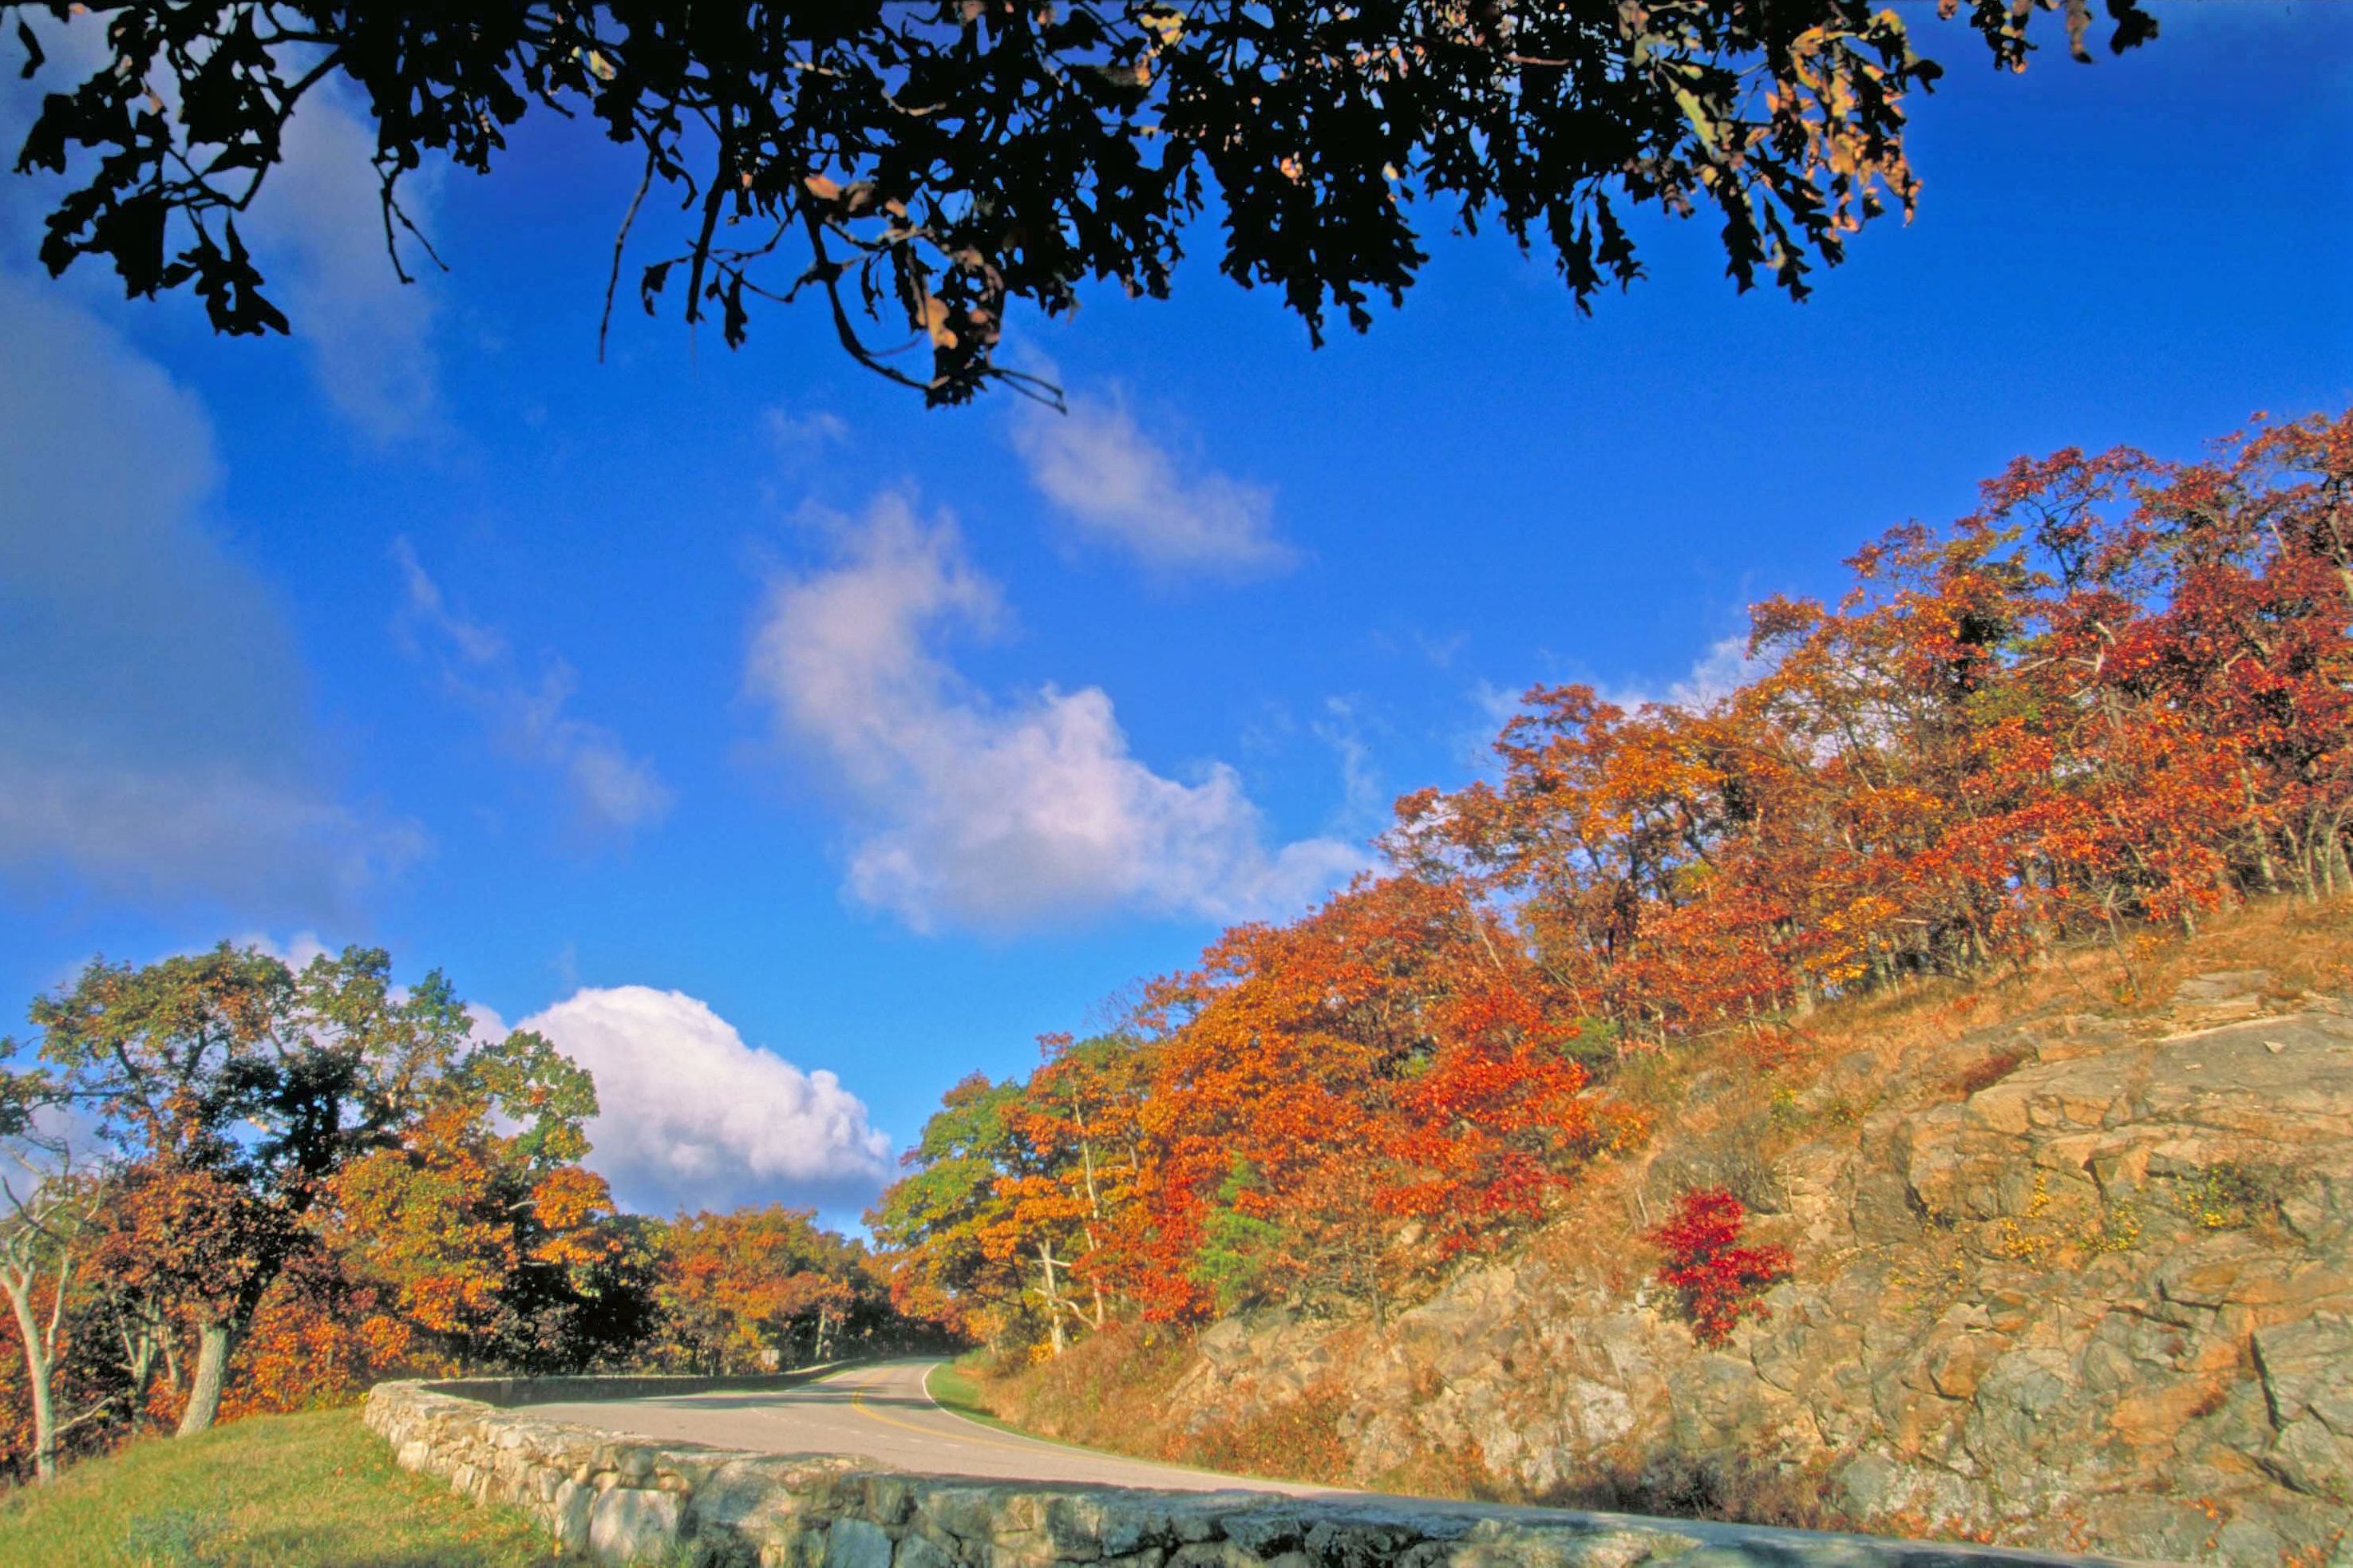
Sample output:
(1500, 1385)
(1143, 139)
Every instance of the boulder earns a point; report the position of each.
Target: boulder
(631, 1524)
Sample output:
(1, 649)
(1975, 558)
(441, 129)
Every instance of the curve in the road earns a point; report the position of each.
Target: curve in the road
(886, 1412)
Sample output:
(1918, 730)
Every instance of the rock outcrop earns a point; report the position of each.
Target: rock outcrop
(2080, 1284)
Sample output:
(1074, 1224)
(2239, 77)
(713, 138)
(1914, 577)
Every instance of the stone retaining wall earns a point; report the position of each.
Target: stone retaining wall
(507, 1392)
(622, 1500)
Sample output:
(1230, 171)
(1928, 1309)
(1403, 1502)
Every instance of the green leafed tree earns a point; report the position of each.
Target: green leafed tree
(949, 1226)
(923, 167)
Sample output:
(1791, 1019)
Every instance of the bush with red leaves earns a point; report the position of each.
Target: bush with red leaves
(1718, 1279)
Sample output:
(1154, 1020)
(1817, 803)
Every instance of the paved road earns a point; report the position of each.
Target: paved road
(883, 1413)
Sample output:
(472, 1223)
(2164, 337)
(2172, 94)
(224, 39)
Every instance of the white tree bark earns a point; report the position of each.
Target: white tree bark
(212, 1369)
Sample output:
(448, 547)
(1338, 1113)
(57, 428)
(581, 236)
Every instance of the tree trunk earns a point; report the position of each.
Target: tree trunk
(1047, 1262)
(212, 1368)
(36, 1377)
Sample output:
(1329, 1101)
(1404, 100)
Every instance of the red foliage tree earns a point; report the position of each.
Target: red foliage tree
(1716, 1280)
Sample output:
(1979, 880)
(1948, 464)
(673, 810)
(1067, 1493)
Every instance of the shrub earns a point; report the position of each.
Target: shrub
(2232, 1196)
(1732, 1159)
(1987, 1071)
(1718, 1280)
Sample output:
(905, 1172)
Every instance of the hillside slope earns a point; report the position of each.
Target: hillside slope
(2068, 1272)
(271, 1491)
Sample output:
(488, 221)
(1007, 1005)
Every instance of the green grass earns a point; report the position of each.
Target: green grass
(277, 1492)
(953, 1388)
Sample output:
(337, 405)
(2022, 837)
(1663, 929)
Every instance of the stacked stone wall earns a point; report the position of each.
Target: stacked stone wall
(620, 1501)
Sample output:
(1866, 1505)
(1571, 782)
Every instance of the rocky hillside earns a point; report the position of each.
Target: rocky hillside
(2080, 1277)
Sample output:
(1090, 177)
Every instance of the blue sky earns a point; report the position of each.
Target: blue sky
(745, 714)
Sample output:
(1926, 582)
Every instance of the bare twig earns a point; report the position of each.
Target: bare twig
(613, 281)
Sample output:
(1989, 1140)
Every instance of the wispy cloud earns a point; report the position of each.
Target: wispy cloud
(804, 434)
(296, 953)
(975, 812)
(1119, 487)
(1723, 668)
(369, 335)
(1364, 808)
(155, 738)
(611, 789)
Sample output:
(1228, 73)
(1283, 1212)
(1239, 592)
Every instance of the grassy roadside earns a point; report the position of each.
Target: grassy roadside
(286, 1492)
(954, 1388)
(961, 1388)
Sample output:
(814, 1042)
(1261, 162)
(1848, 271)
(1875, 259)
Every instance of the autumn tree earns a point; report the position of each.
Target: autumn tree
(926, 169)
(1390, 1078)
(43, 1254)
(1071, 1198)
(1716, 1278)
(233, 1092)
(2119, 693)
(758, 1287)
(494, 1249)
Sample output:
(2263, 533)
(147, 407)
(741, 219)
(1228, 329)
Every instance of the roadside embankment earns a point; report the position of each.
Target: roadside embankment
(2069, 1274)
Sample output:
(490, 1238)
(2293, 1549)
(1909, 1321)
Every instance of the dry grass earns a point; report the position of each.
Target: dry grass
(1108, 1391)
(1731, 1486)
(1295, 1440)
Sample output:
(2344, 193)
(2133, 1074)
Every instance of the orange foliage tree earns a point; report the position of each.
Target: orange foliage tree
(756, 1289)
(2120, 692)
(492, 1249)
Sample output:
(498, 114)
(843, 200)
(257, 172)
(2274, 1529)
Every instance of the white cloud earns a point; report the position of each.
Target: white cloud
(693, 1117)
(1117, 486)
(611, 789)
(295, 952)
(489, 1028)
(996, 815)
(1721, 670)
(155, 730)
(797, 436)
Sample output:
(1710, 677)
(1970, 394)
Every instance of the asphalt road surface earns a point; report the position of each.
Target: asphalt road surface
(881, 1412)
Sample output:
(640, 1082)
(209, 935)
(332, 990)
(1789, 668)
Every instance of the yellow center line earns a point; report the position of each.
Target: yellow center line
(858, 1402)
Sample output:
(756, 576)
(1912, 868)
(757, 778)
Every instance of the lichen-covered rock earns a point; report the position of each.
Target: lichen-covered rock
(856, 1543)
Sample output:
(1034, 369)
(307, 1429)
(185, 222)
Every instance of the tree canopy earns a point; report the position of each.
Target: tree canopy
(246, 1106)
(926, 166)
